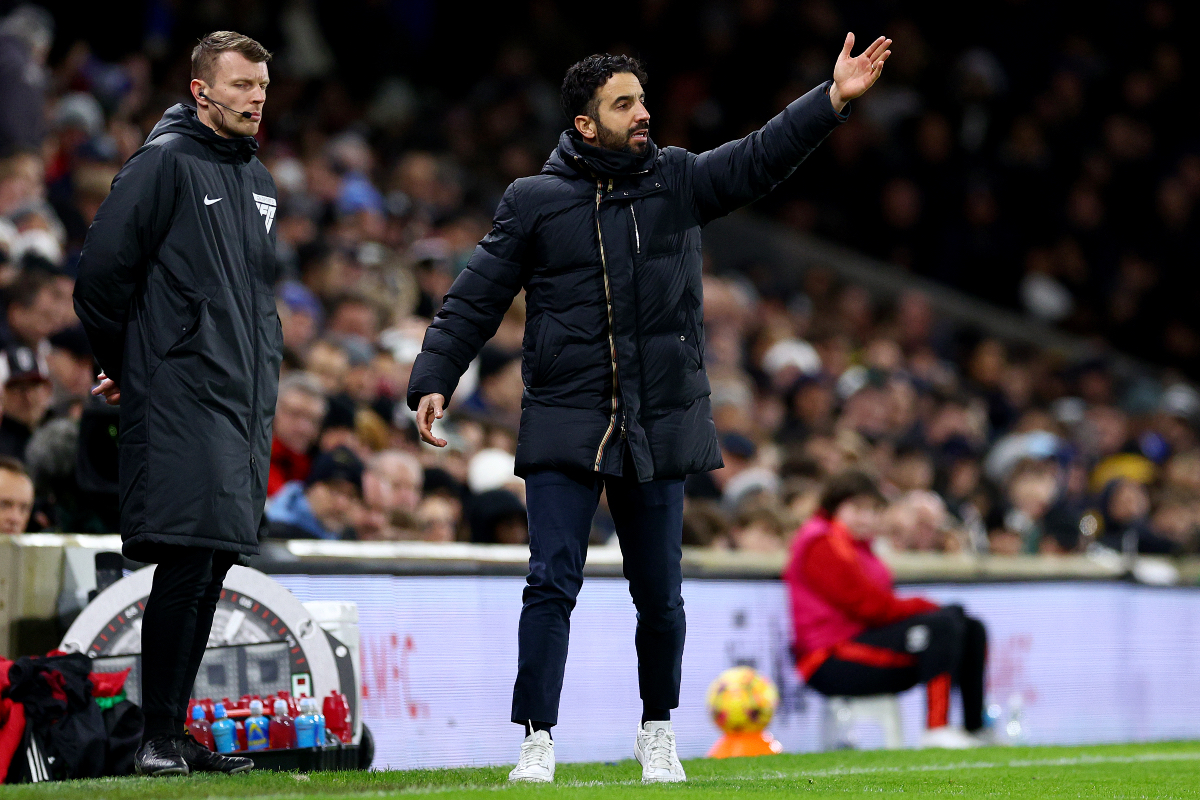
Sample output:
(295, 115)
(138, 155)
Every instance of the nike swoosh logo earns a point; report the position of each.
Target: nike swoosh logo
(208, 202)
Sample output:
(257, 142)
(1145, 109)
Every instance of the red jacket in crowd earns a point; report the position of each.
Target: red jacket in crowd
(286, 465)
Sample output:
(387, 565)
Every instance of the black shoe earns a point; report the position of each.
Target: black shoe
(201, 759)
(160, 756)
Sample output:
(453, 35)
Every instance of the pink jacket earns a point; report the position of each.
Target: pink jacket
(838, 589)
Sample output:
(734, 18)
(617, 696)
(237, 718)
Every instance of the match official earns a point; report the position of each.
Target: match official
(606, 243)
(176, 293)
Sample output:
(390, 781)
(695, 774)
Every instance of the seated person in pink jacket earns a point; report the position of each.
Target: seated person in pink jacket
(854, 637)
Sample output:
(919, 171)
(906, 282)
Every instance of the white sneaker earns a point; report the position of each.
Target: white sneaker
(655, 751)
(949, 738)
(537, 759)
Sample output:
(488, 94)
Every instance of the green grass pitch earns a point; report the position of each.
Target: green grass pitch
(1116, 771)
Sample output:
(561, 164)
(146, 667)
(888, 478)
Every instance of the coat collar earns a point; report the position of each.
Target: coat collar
(182, 119)
(575, 156)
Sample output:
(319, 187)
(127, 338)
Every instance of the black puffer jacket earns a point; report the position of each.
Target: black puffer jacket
(176, 293)
(607, 247)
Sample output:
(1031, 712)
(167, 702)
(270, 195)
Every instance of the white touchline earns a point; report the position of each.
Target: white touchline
(1018, 763)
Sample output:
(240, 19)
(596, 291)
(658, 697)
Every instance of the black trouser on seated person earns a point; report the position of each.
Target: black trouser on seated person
(937, 649)
(649, 524)
(175, 628)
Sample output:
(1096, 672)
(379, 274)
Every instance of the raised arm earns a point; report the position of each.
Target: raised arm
(739, 172)
(471, 312)
(130, 223)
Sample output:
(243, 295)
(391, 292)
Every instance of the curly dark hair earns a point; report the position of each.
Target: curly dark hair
(586, 76)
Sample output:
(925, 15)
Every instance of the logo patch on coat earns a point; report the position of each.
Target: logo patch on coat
(266, 207)
(917, 638)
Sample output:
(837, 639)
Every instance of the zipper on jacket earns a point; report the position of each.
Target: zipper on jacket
(252, 427)
(637, 237)
(612, 342)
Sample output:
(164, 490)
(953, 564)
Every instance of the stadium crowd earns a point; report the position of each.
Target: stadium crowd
(1059, 197)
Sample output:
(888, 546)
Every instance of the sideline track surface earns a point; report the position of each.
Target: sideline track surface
(1159, 770)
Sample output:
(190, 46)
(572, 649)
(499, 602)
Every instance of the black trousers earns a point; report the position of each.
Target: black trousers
(649, 523)
(175, 628)
(938, 649)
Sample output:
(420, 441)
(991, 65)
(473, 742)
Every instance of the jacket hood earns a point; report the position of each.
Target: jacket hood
(573, 156)
(182, 119)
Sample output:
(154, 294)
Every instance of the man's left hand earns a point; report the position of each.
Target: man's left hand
(853, 76)
(109, 390)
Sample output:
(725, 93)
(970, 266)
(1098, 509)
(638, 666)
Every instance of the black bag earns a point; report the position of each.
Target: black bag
(30, 763)
(62, 721)
(123, 723)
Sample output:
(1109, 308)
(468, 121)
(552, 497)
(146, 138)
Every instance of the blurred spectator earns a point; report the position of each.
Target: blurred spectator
(498, 517)
(26, 36)
(298, 415)
(1125, 507)
(27, 395)
(16, 496)
(323, 506)
(759, 528)
(33, 313)
(439, 518)
(392, 484)
(71, 368)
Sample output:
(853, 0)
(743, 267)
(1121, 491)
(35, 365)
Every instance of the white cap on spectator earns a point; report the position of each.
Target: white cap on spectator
(1181, 400)
(289, 175)
(747, 483)
(1045, 297)
(1016, 447)
(38, 241)
(8, 236)
(80, 110)
(490, 468)
(850, 381)
(792, 353)
(1069, 410)
(403, 346)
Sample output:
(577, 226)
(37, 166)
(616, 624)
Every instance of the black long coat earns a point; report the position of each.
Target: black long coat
(607, 247)
(176, 293)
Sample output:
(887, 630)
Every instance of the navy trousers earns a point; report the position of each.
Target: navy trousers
(649, 523)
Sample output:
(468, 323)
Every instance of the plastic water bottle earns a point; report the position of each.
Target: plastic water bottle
(224, 730)
(283, 727)
(306, 724)
(201, 728)
(337, 715)
(318, 722)
(1016, 729)
(257, 727)
(293, 703)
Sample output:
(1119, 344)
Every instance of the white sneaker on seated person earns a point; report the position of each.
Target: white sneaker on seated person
(949, 737)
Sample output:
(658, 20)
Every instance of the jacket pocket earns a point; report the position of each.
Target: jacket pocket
(542, 357)
(697, 325)
(190, 332)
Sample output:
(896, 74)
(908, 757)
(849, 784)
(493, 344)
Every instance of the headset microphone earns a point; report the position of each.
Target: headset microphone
(244, 114)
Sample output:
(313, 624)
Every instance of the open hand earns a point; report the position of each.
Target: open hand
(429, 409)
(852, 76)
(109, 389)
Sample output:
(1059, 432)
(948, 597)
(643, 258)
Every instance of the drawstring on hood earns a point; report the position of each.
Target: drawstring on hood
(183, 119)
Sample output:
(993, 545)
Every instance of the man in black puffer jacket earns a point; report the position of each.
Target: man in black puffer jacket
(606, 243)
